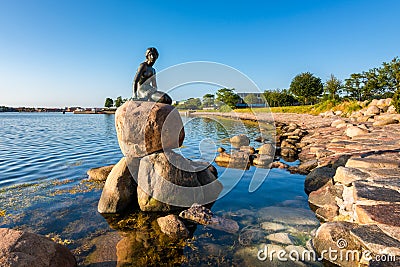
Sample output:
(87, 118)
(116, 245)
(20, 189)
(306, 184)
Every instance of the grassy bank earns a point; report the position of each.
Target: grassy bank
(347, 107)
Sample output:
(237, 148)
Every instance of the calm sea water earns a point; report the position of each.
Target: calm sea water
(44, 188)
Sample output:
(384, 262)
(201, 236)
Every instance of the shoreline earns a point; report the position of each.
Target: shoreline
(354, 189)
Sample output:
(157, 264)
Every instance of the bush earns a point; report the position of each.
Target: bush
(396, 100)
(225, 108)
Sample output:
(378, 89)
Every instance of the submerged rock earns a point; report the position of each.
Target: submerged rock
(172, 226)
(18, 248)
(282, 238)
(271, 226)
(287, 216)
(204, 216)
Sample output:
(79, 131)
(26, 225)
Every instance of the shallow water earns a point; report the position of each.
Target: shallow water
(43, 188)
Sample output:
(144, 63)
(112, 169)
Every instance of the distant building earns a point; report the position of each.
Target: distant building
(259, 103)
(72, 109)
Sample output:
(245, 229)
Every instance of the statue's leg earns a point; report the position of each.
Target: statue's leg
(161, 97)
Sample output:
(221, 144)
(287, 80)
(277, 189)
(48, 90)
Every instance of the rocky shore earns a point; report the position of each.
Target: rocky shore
(353, 181)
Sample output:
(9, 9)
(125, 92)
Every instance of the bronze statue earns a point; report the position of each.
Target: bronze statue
(145, 84)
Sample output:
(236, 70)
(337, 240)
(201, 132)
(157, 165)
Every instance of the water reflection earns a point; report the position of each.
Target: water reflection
(141, 242)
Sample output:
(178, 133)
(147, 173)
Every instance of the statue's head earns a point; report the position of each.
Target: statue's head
(151, 55)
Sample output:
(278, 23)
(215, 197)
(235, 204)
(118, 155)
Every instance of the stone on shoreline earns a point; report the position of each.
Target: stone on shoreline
(267, 149)
(353, 131)
(19, 248)
(347, 176)
(239, 140)
(247, 149)
(237, 159)
(119, 191)
(288, 153)
(317, 178)
(347, 237)
(263, 160)
(146, 127)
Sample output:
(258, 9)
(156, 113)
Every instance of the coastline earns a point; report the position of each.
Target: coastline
(354, 187)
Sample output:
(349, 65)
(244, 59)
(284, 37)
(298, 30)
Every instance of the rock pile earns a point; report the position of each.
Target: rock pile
(151, 176)
(288, 139)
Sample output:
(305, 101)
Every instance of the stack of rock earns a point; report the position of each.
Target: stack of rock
(288, 138)
(151, 175)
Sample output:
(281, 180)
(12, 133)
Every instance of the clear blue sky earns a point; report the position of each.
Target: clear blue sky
(76, 53)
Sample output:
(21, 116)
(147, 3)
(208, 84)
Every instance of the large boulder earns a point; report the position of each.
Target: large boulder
(167, 181)
(146, 127)
(18, 248)
(372, 110)
(119, 192)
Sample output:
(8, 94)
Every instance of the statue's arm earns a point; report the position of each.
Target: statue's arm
(137, 78)
(154, 80)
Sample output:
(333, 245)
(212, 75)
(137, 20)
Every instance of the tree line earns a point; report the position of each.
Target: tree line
(114, 103)
(306, 88)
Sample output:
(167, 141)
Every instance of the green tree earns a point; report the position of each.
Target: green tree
(228, 97)
(353, 86)
(208, 100)
(396, 100)
(389, 75)
(333, 87)
(118, 102)
(109, 102)
(193, 103)
(376, 82)
(306, 86)
(279, 98)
